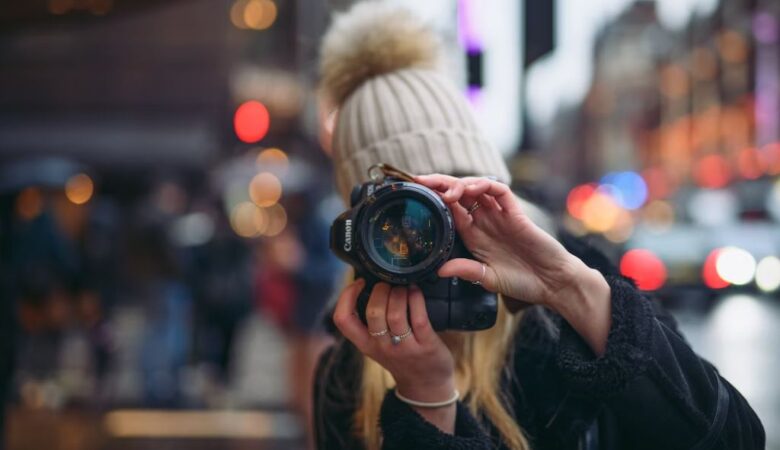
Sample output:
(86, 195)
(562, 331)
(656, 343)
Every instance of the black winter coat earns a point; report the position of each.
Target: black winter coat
(648, 391)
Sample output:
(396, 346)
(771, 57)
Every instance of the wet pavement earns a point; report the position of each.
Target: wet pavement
(741, 337)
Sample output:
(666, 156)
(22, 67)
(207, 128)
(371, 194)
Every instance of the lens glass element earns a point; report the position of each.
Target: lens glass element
(403, 233)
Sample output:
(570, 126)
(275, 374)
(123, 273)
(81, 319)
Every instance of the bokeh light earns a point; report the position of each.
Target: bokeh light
(261, 221)
(265, 189)
(274, 159)
(277, 220)
(251, 121)
(658, 184)
(29, 203)
(600, 212)
(713, 207)
(645, 268)
(750, 164)
(631, 187)
(577, 197)
(768, 274)
(243, 219)
(259, 14)
(735, 265)
(658, 215)
(712, 171)
(771, 155)
(622, 229)
(709, 273)
(79, 189)
(732, 46)
(237, 14)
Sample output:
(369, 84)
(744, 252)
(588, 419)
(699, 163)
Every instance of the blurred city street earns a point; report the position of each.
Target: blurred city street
(730, 335)
(167, 190)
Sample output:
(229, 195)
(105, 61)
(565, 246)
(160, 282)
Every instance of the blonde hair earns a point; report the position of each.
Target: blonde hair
(481, 360)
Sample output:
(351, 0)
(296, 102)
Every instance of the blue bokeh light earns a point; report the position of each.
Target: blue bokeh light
(629, 187)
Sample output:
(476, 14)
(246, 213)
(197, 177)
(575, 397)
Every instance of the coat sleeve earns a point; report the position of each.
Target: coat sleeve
(404, 429)
(660, 392)
(335, 397)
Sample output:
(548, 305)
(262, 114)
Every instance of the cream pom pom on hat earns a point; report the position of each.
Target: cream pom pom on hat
(379, 66)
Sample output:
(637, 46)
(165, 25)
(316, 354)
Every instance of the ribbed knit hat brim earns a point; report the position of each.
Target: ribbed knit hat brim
(416, 120)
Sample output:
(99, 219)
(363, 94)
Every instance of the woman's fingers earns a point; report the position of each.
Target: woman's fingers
(418, 316)
(397, 311)
(499, 191)
(346, 319)
(462, 218)
(449, 188)
(470, 270)
(376, 309)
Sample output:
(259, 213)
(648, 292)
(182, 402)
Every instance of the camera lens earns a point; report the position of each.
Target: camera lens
(403, 233)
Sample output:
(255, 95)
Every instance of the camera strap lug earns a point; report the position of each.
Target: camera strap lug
(378, 173)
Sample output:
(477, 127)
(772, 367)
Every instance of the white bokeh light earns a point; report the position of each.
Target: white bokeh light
(768, 274)
(735, 265)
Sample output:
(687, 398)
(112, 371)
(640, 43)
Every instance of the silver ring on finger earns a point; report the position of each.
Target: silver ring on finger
(474, 207)
(378, 333)
(479, 282)
(396, 339)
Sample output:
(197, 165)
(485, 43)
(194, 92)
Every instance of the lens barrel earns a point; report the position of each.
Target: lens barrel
(405, 232)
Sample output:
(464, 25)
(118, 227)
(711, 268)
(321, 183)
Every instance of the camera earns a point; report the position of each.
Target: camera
(401, 232)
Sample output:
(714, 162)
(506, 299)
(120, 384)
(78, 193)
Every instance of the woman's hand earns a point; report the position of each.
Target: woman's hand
(422, 366)
(517, 258)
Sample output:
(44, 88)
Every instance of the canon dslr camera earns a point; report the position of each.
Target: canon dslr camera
(401, 232)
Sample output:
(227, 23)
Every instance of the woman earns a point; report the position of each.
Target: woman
(590, 364)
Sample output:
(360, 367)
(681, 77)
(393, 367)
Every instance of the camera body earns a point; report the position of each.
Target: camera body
(401, 232)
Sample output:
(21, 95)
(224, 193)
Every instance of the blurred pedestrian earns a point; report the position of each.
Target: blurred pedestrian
(221, 276)
(155, 277)
(592, 364)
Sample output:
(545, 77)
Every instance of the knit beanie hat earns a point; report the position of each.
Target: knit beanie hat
(379, 67)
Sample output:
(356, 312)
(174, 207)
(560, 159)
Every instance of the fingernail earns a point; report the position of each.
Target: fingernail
(414, 288)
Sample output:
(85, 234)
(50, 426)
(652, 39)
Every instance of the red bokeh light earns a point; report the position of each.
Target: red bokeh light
(645, 268)
(712, 171)
(709, 272)
(750, 164)
(577, 198)
(251, 121)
